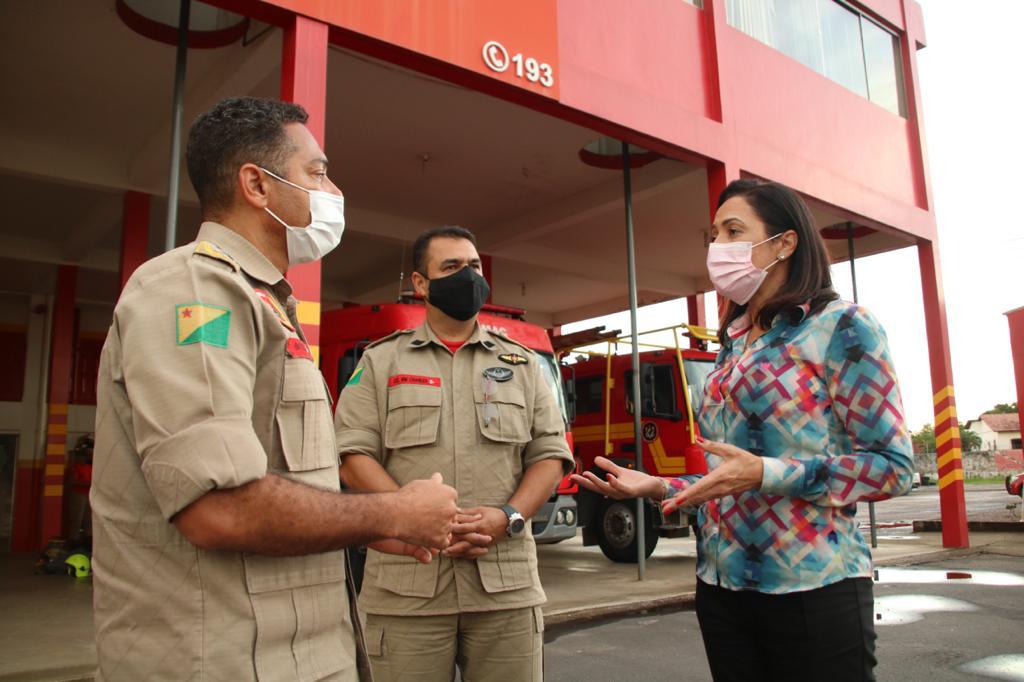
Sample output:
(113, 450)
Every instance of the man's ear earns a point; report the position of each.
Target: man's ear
(253, 185)
(420, 284)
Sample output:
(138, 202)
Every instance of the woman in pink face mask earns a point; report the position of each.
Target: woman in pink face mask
(802, 419)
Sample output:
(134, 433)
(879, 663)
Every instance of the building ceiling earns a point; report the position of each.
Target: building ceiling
(92, 119)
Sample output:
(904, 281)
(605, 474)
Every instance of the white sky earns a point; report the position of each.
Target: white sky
(973, 118)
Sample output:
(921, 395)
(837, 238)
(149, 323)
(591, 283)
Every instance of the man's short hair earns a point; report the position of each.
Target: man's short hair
(422, 243)
(236, 131)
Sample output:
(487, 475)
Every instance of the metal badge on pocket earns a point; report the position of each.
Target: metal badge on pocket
(499, 374)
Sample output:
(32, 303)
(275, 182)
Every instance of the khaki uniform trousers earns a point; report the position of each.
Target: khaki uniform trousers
(489, 646)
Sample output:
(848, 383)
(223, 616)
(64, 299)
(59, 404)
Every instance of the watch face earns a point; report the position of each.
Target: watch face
(516, 524)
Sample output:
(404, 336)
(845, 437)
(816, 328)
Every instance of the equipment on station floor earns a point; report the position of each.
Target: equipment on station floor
(78, 565)
(61, 557)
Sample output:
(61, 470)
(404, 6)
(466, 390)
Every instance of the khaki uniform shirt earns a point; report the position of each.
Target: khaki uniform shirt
(206, 382)
(417, 408)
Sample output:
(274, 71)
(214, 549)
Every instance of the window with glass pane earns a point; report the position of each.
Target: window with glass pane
(797, 30)
(881, 58)
(829, 37)
(840, 41)
(589, 394)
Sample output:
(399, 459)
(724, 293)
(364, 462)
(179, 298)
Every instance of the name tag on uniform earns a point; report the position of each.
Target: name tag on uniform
(402, 379)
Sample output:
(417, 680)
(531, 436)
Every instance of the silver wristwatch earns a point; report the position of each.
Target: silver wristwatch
(516, 522)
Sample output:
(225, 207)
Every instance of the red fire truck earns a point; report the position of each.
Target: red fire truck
(599, 388)
(345, 333)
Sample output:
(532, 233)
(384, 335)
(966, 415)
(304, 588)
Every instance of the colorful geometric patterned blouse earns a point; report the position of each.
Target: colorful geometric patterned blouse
(818, 400)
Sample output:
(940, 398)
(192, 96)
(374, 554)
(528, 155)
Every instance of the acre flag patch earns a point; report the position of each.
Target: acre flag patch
(202, 323)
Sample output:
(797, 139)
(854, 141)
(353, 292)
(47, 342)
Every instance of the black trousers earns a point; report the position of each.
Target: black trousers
(822, 634)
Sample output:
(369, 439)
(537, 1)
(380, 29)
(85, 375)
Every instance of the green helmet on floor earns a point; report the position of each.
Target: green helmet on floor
(78, 565)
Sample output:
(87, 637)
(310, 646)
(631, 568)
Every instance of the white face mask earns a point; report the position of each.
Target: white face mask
(323, 234)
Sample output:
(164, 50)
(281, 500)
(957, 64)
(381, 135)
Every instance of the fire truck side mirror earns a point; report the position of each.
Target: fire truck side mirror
(569, 386)
(648, 406)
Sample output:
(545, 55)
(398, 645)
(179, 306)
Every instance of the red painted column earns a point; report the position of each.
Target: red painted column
(62, 347)
(715, 23)
(25, 520)
(695, 315)
(304, 81)
(485, 264)
(947, 426)
(915, 118)
(1016, 320)
(719, 176)
(134, 233)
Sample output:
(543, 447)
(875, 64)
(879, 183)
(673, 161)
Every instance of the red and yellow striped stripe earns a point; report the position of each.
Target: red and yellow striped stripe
(308, 314)
(947, 439)
(56, 450)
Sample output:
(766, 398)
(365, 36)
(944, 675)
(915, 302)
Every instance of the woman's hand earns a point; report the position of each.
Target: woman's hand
(621, 483)
(739, 472)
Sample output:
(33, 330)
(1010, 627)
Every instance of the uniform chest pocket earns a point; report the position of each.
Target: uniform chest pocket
(502, 415)
(304, 419)
(414, 416)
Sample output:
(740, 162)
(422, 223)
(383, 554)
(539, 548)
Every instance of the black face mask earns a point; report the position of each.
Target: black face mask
(460, 295)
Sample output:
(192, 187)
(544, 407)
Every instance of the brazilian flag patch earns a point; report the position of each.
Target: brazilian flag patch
(202, 323)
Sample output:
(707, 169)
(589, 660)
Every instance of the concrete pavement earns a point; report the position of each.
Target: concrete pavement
(955, 620)
(47, 629)
(581, 584)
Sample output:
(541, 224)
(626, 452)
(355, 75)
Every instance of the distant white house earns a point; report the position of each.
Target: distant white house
(997, 431)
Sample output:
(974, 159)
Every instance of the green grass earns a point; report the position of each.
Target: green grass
(989, 480)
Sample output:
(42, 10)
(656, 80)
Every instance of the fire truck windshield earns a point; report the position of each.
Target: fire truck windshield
(549, 368)
(697, 372)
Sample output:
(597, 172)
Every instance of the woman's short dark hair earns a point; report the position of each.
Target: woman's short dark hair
(236, 131)
(422, 243)
(810, 279)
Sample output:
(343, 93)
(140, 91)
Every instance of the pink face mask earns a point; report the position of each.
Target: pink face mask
(732, 271)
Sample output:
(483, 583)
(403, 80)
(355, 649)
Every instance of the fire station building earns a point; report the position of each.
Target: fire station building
(505, 117)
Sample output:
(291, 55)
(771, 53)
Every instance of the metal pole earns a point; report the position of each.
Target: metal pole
(853, 279)
(177, 109)
(638, 451)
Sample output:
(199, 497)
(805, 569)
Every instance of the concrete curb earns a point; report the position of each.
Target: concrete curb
(928, 557)
(678, 600)
(935, 526)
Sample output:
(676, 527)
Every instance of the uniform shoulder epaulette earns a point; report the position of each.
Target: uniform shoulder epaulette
(211, 250)
(392, 335)
(508, 339)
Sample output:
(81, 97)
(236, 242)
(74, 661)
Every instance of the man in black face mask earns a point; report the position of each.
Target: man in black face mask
(453, 397)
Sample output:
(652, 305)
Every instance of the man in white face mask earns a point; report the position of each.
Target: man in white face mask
(327, 220)
(218, 518)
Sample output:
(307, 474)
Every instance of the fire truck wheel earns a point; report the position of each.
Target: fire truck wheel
(617, 534)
